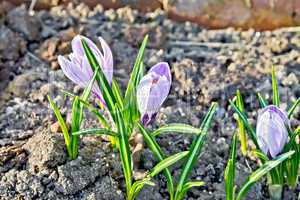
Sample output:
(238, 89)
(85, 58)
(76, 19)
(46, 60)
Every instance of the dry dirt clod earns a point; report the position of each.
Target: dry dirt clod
(45, 150)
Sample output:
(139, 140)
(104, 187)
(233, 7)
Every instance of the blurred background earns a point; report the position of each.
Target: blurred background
(258, 14)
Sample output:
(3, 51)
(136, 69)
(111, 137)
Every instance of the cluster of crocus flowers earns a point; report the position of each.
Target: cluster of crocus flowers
(77, 68)
(152, 90)
(272, 133)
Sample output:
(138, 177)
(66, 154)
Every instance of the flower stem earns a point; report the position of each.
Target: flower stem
(275, 191)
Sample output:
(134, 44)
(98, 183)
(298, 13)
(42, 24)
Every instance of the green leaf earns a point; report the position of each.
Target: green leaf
(137, 186)
(176, 127)
(195, 149)
(297, 130)
(63, 126)
(262, 101)
(275, 98)
(242, 134)
(117, 92)
(91, 108)
(292, 165)
(105, 88)
(260, 155)
(261, 172)
(77, 114)
(294, 106)
(124, 149)
(75, 125)
(132, 113)
(165, 163)
(156, 150)
(188, 186)
(243, 117)
(137, 71)
(229, 174)
(96, 131)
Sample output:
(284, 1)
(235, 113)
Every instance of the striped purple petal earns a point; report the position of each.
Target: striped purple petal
(272, 133)
(152, 91)
(77, 67)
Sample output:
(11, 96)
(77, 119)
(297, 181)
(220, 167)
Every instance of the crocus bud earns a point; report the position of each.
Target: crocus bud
(152, 91)
(271, 130)
(77, 68)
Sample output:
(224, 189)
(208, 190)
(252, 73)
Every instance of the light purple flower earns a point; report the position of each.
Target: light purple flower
(77, 68)
(271, 129)
(152, 91)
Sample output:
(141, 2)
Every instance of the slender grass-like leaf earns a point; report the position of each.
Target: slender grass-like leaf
(95, 131)
(275, 97)
(229, 174)
(292, 165)
(63, 126)
(176, 127)
(293, 108)
(260, 155)
(136, 75)
(117, 92)
(165, 163)
(77, 113)
(243, 117)
(241, 126)
(75, 125)
(132, 113)
(262, 101)
(105, 88)
(137, 186)
(124, 149)
(91, 108)
(159, 155)
(195, 150)
(188, 186)
(261, 172)
(297, 130)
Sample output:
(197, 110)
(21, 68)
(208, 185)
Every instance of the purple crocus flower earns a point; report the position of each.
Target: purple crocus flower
(77, 68)
(271, 129)
(152, 91)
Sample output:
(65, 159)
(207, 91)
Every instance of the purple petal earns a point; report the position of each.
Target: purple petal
(78, 49)
(108, 60)
(151, 93)
(71, 71)
(162, 69)
(271, 130)
(143, 92)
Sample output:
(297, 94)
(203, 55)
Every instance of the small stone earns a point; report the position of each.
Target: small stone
(55, 65)
(48, 49)
(291, 79)
(11, 44)
(134, 36)
(21, 84)
(222, 146)
(55, 128)
(20, 21)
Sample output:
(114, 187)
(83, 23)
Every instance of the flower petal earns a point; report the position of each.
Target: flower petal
(78, 49)
(151, 93)
(162, 69)
(108, 60)
(271, 130)
(143, 92)
(72, 71)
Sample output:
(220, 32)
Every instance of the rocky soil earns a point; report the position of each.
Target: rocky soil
(207, 65)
